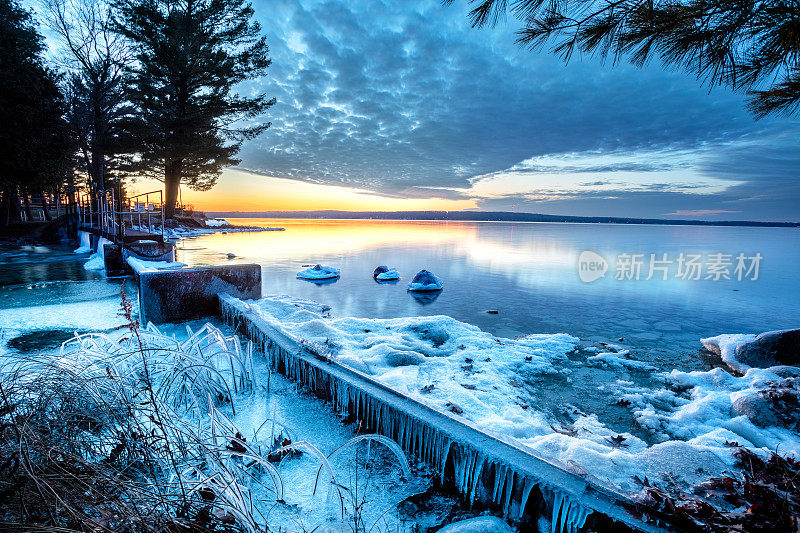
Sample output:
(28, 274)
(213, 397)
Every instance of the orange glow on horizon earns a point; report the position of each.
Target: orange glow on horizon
(237, 190)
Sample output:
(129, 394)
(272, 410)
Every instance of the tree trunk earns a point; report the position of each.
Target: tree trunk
(5, 207)
(45, 207)
(11, 206)
(27, 203)
(172, 180)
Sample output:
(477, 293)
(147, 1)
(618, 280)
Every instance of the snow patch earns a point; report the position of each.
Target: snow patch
(216, 222)
(725, 346)
(97, 259)
(140, 265)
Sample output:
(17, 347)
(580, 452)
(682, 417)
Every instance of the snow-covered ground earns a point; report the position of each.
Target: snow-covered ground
(371, 474)
(456, 367)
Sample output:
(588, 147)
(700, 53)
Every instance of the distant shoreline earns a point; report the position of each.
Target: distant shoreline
(490, 216)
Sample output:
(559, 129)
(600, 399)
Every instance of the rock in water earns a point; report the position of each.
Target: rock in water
(425, 281)
(319, 272)
(384, 273)
(771, 348)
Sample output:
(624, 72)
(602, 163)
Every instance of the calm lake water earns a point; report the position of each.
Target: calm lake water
(528, 272)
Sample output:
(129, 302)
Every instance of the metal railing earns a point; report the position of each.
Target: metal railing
(147, 208)
(114, 219)
(43, 208)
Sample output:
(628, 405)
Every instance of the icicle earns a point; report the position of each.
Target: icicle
(509, 492)
(476, 477)
(444, 454)
(568, 516)
(526, 494)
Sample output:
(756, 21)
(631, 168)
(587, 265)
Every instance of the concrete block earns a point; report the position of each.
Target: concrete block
(114, 261)
(191, 293)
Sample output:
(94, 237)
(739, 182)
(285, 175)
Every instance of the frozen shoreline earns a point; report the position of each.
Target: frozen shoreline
(457, 368)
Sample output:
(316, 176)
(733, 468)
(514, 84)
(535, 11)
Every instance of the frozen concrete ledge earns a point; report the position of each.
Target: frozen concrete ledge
(486, 467)
(173, 295)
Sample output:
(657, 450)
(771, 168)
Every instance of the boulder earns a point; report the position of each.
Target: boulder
(770, 349)
(319, 272)
(425, 281)
(777, 405)
(384, 273)
(712, 345)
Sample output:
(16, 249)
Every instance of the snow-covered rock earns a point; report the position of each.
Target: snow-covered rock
(425, 281)
(725, 346)
(319, 272)
(776, 405)
(741, 352)
(384, 273)
(770, 349)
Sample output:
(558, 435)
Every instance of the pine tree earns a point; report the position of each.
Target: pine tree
(748, 45)
(189, 57)
(35, 146)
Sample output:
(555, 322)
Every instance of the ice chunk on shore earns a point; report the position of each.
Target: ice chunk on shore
(85, 243)
(425, 281)
(97, 260)
(319, 272)
(725, 346)
(216, 222)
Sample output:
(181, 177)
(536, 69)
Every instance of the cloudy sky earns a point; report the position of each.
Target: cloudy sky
(402, 105)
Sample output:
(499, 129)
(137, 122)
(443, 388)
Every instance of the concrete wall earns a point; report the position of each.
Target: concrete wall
(191, 293)
(114, 260)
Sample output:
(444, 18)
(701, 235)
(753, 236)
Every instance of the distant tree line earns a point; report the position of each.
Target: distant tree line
(135, 88)
(490, 216)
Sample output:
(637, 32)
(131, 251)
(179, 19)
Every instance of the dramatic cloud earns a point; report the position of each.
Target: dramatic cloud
(405, 99)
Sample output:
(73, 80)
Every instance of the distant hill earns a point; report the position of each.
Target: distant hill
(485, 216)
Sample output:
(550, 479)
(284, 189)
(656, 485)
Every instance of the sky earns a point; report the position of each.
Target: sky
(386, 105)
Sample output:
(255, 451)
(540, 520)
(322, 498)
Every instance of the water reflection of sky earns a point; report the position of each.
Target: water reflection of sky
(528, 272)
